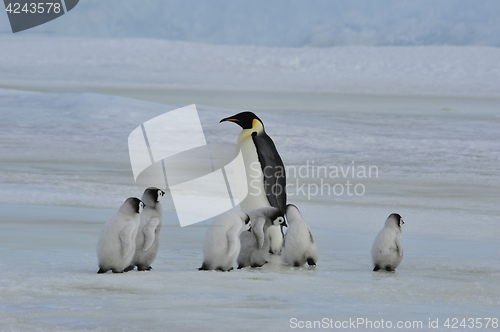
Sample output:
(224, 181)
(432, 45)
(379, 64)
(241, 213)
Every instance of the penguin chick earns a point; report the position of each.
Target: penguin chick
(147, 241)
(116, 245)
(387, 250)
(298, 246)
(222, 241)
(255, 244)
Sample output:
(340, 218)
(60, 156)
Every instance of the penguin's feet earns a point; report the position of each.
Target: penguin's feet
(102, 271)
(116, 271)
(129, 268)
(232, 268)
(296, 264)
(389, 268)
(142, 268)
(376, 268)
(203, 267)
(311, 262)
(240, 267)
(258, 265)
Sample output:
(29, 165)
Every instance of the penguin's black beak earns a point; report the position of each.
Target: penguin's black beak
(231, 118)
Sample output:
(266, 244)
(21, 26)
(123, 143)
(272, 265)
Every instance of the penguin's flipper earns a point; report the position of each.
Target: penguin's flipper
(149, 231)
(258, 231)
(399, 246)
(126, 240)
(311, 237)
(273, 171)
(232, 239)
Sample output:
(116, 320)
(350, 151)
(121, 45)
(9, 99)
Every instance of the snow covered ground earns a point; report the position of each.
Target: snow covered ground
(81, 64)
(430, 131)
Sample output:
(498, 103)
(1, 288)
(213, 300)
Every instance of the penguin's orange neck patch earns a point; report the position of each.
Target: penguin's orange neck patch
(257, 126)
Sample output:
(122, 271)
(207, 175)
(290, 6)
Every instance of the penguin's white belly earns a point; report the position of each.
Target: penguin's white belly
(256, 197)
(215, 251)
(109, 246)
(298, 245)
(216, 247)
(276, 237)
(385, 250)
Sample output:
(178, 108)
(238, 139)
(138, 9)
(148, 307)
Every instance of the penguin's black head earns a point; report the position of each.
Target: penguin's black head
(152, 195)
(159, 194)
(397, 218)
(133, 205)
(246, 120)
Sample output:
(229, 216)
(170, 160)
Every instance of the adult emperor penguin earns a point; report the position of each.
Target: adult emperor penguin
(298, 246)
(222, 241)
(265, 172)
(387, 250)
(116, 245)
(147, 241)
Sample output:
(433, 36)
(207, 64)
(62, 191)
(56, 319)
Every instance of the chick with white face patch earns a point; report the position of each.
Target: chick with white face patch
(255, 244)
(147, 242)
(298, 246)
(116, 245)
(387, 250)
(265, 172)
(222, 241)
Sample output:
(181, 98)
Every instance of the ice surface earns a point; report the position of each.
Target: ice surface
(49, 279)
(65, 169)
